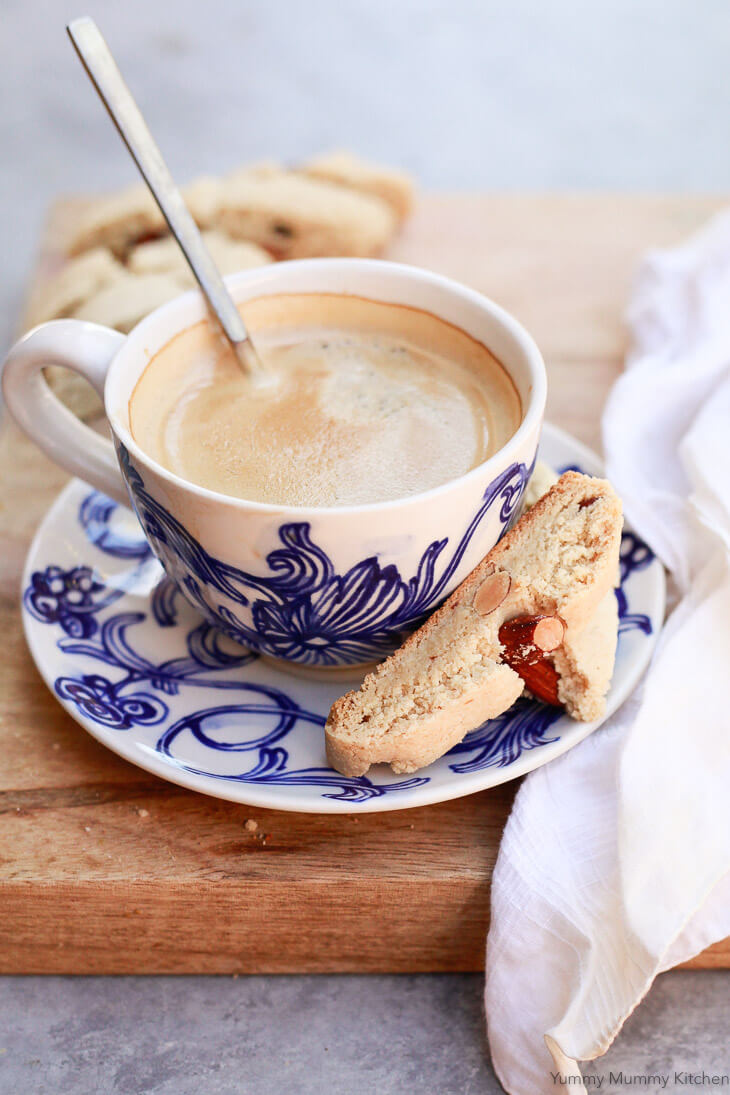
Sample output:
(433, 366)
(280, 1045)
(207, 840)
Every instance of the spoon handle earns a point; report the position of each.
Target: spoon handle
(102, 69)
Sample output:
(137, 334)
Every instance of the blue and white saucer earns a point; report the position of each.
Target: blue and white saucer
(131, 661)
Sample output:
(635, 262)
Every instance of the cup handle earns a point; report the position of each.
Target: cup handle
(88, 349)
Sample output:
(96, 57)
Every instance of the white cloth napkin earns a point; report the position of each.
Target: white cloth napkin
(615, 861)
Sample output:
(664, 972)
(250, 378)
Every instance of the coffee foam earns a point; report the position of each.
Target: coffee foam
(373, 402)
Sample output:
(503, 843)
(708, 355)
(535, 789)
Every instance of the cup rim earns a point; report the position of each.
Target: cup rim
(531, 418)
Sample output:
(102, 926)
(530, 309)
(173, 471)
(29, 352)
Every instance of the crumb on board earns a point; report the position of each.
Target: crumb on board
(142, 812)
(251, 826)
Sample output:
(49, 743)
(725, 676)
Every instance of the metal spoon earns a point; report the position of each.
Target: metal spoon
(101, 67)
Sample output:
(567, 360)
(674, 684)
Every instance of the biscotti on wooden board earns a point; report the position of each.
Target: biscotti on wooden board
(294, 216)
(536, 612)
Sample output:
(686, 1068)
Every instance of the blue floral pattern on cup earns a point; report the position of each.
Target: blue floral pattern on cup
(303, 610)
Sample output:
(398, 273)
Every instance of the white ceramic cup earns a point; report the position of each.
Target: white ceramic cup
(320, 587)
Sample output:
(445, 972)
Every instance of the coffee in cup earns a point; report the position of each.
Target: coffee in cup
(372, 402)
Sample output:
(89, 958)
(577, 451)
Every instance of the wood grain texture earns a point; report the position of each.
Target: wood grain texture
(106, 869)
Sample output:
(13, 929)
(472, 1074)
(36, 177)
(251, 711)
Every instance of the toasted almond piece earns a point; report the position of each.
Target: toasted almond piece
(549, 633)
(492, 592)
(541, 679)
(525, 641)
(537, 634)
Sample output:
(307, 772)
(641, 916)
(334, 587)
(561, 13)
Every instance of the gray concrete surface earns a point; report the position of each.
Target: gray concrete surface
(314, 1035)
(466, 94)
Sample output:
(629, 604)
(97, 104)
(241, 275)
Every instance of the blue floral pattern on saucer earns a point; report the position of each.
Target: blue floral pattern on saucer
(135, 664)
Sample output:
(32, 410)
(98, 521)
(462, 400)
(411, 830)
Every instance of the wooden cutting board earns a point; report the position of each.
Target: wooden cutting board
(106, 869)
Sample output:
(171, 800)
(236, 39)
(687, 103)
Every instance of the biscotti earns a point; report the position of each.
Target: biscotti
(395, 188)
(164, 256)
(559, 561)
(128, 299)
(75, 282)
(119, 221)
(294, 216)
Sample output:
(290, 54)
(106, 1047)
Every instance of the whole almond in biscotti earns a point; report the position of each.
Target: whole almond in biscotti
(528, 634)
(526, 642)
(492, 592)
(559, 564)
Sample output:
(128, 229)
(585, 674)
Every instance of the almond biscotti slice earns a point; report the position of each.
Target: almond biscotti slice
(163, 256)
(128, 299)
(559, 561)
(294, 216)
(116, 221)
(74, 283)
(395, 188)
(120, 220)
